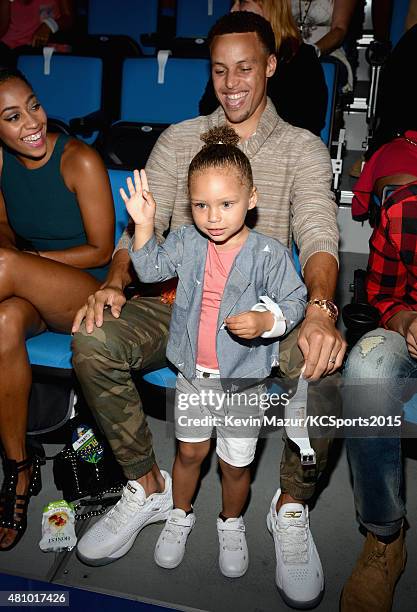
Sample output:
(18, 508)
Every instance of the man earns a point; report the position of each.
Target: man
(379, 375)
(292, 173)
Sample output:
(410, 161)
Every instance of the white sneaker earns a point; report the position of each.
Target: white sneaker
(299, 574)
(114, 534)
(234, 556)
(170, 547)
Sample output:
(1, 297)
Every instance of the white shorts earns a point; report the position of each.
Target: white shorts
(202, 406)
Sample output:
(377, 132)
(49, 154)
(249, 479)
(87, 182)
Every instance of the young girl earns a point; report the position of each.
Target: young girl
(237, 292)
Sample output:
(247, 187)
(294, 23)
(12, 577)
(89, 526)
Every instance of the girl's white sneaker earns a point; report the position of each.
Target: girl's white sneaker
(234, 556)
(170, 547)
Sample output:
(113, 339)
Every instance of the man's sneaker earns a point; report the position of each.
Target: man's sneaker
(234, 556)
(170, 547)
(299, 575)
(114, 534)
(372, 582)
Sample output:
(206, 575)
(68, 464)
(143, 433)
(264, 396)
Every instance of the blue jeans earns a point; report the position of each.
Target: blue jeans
(381, 362)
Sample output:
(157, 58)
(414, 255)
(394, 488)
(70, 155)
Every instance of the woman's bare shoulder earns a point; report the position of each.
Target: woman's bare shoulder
(79, 160)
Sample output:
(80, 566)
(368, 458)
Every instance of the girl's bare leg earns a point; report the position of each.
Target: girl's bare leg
(235, 488)
(186, 472)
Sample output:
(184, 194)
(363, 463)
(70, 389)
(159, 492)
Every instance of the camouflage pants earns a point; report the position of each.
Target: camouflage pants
(103, 362)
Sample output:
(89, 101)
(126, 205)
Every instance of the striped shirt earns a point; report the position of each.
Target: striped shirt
(291, 169)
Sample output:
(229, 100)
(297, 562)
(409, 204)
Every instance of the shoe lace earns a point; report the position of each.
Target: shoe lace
(293, 539)
(378, 559)
(122, 512)
(173, 532)
(232, 540)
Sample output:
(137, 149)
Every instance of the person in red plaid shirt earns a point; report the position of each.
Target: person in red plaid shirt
(379, 379)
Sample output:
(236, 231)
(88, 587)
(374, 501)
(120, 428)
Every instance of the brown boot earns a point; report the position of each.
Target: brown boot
(370, 587)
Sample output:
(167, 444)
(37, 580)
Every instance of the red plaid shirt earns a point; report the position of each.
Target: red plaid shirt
(392, 268)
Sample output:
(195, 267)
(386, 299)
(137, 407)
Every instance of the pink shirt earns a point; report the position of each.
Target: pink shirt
(218, 266)
(25, 20)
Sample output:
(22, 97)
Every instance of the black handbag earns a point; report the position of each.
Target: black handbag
(87, 472)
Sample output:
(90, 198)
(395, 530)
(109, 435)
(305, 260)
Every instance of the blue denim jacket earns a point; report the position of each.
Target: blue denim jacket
(263, 266)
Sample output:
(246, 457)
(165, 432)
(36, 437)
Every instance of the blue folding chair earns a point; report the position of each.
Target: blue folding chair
(146, 99)
(195, 18)
(331, 75)
(125, 17)
(399, 13)
(330, 69)
(153, 96)
(50, 352)
(68, 91)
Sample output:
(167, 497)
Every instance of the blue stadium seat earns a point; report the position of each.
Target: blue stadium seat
(399, 13)
(52, 350)
(195, 17)
(148, 107)
(164, 377)
(145, 100)
(127, 17)
(71, 90)
(330, 69)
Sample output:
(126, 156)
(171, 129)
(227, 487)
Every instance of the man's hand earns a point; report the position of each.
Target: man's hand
(405, 323)
(411, 337)
(92, 312)
(321, 343)
(41, 36)
(249, 325)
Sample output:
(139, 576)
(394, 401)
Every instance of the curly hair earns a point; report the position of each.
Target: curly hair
(221, 151)
(241, 22)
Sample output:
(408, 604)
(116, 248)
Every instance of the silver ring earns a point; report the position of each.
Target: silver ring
(332, 360)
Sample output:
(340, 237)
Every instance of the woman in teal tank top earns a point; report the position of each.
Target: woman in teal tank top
(56, 237)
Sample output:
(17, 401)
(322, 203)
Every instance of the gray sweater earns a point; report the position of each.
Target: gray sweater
(292, 172)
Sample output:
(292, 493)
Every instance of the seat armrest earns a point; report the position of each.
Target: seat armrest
(87, 125)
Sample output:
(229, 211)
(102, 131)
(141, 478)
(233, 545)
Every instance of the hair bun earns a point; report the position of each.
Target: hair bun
(220, 135)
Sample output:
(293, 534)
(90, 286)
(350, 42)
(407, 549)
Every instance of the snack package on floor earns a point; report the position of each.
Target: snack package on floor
(58, 533)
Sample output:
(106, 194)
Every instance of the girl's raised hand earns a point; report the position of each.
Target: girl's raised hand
(140, 205)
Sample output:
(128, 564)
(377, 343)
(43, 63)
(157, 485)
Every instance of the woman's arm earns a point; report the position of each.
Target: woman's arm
(411, 18)
(64, 21)
(7, 237)
(342, 14)
(85, 175)
(66, 14)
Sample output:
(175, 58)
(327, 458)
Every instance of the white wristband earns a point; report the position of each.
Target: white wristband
(52, 24)
(280, 325)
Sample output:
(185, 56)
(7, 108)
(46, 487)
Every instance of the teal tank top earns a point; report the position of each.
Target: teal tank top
(41, 210)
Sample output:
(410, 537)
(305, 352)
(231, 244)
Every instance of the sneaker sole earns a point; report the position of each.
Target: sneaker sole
(293, 603)
(97, 562)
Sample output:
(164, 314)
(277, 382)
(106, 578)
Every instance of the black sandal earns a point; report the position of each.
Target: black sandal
(13, 507)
